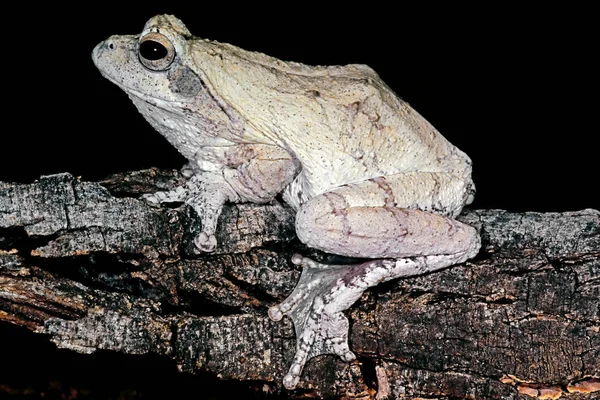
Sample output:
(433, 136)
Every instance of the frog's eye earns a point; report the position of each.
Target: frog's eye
(156, 52)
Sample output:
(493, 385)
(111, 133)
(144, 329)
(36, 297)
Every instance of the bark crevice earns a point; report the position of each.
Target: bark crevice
(93, 267)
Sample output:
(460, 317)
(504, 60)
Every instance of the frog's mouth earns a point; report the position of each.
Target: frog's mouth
(136, 94)
(117, 61)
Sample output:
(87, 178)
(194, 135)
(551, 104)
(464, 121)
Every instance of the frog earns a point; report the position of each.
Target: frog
(368, 177)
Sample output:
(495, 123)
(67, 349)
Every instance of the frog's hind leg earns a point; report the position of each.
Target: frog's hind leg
(359, 221)
(404, 215)
(324, 291)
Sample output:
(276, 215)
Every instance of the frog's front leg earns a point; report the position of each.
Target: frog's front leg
(240, 173)
(370, 219)
(206, 192)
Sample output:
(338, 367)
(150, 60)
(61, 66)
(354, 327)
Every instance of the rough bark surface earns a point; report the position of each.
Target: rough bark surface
(91, 266)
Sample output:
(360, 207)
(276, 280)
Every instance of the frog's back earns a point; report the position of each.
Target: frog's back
(343, 123)
(362, 129)
(359, 71)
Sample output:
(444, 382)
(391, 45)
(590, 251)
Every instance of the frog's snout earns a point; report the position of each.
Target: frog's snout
(115, 52)
(99, 51)
(106, 46)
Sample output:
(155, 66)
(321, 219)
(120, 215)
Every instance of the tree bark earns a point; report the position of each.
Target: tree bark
(92, 266)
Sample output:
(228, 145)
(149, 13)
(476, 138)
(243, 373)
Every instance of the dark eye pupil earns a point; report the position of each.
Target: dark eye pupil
(152, 50)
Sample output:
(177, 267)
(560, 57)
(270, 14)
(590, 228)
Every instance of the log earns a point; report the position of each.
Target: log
(90, 266)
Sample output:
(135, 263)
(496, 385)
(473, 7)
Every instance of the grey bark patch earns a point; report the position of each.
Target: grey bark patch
(184, 81)
(527, 306)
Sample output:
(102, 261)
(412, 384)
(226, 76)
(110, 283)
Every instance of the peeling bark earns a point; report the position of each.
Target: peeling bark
(92, 267)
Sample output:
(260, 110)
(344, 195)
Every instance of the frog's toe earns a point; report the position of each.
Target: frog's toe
(275, 313)
(188, 170)
(306, 262)
(205, 242)
(171, 196)
(301, 298)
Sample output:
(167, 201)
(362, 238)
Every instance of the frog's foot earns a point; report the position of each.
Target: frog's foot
(206, 200)
(315, 306)
(324, 291)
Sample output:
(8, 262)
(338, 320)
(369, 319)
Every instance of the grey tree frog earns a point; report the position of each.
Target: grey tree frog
(368, 176)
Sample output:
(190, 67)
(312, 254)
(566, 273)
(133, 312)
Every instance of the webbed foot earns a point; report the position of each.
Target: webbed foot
(324, 291)
(315, 306)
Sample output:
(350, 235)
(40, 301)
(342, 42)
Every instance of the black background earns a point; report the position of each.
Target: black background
(515, 88)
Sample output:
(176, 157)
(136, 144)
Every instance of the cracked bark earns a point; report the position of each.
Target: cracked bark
(89, 266)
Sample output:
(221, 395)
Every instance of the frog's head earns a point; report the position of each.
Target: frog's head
(152, 66)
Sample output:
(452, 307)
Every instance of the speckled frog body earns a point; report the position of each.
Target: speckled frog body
(368, 176)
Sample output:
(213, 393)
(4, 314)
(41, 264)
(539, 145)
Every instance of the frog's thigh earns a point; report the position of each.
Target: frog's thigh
(377, 218)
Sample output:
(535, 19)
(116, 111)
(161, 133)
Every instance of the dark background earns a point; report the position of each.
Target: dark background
(515, 88)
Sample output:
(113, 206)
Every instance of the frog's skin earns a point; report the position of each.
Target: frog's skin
(368, 176)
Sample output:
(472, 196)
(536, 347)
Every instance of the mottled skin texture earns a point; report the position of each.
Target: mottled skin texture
(368, 176)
